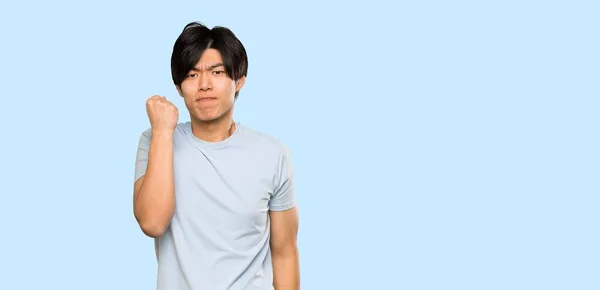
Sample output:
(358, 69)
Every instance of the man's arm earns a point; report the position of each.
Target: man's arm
(284, 226)
(154, 189)
(154, 193)
(284, 249)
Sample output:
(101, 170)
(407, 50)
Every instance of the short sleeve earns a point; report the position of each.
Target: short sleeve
(284, 194)
(141, 159)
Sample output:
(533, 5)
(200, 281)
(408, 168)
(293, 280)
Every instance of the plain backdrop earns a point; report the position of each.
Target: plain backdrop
(436, 144)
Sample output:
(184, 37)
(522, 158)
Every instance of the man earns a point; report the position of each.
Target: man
(217, 197)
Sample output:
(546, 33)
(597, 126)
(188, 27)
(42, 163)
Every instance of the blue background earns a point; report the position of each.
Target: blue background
(437, 144)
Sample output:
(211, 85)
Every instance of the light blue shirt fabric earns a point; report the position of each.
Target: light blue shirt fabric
(219, 236)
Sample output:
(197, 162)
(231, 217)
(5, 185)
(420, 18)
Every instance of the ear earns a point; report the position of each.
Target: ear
(239, 84)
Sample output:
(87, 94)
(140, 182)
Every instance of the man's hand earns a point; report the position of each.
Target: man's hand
(163, 114)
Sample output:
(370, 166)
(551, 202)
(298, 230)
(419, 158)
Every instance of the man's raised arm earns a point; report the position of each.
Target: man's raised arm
(154, 189)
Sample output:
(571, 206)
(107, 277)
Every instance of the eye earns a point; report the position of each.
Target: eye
(191, 75)
(218, 72)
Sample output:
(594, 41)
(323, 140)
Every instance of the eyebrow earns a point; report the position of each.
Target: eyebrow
(216, 65)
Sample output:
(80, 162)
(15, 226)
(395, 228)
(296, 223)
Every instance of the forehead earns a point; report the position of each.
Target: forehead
(209, 57)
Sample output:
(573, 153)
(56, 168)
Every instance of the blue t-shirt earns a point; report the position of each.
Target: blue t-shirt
(219, 236)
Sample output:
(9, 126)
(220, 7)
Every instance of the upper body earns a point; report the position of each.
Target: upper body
(217, 197)
(219, 235)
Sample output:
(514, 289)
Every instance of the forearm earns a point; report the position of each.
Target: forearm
(286, 269)
(155, 201)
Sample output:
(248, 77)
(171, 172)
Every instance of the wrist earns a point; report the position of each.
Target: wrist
(162, 133)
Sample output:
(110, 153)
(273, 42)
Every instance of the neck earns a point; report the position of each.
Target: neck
(215, 130)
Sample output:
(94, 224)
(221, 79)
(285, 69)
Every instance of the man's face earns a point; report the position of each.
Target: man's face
(207, 90)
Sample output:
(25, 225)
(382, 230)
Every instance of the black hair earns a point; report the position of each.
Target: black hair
(195, 39)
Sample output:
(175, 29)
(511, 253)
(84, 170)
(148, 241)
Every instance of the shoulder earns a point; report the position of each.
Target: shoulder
(264, 141)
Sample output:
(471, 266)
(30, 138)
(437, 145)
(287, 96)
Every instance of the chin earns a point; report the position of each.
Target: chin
(207, 120)
(208, 114)
(208, 117)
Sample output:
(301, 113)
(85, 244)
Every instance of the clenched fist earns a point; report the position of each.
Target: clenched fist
(163, 114)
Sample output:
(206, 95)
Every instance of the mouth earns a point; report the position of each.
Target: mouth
(205, 99)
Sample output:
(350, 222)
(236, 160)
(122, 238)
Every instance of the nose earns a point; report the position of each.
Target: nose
(204, 83)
